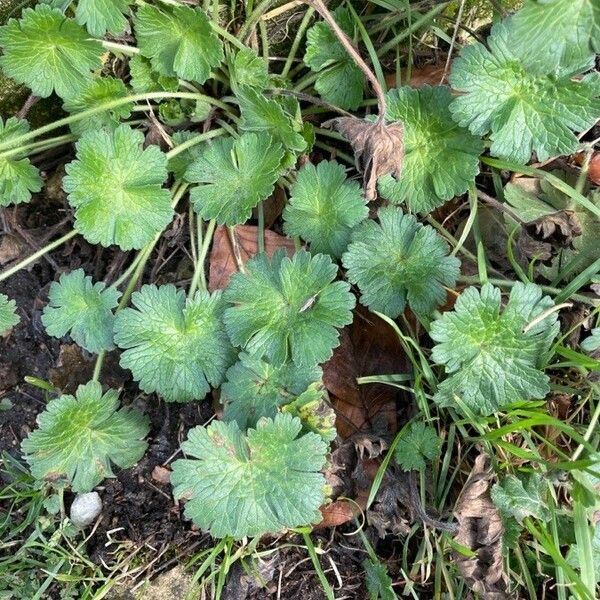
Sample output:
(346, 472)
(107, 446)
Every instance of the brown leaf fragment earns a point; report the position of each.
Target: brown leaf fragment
(558, 228)
(222, 257)
(337, 513)
(161, 475)
(378, 148)
(480, 529)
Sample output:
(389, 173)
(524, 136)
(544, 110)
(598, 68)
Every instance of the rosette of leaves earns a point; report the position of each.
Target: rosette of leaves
(101, 16)
(48, 52)
(234, 176)
(144, 79)
(288, 308)
(175, 347)
(418, 445)
(82, 309)
(441, 158)
(526, 104)
(339, 80)
(493, 356)
(8, 314)
(279, 117)
(78, 437)
(245, 485)
(254, 388)
(397, 262)
(324, 207)
(115, 187)
(18, 177)
(97, 92)
(179, 41)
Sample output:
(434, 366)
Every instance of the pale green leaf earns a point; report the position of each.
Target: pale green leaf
(573, 556)
(441, 158)
(254, 388)
(234, 176)
(82, 309)
(114, 184)
(324, 207)
(18, 177)
(339, 79)
(264, 482)
(79, 437)
(288, 308)
(48, 52)
(592, 342)
(179, 41)
(490, 360)
(513, 498)
(378, 581)
(397, 262)
(524, 108)
(249, 69)
(418, 445)
(144, 79)
(315, 411)
(101, 16)
(8, 314)
(175, 347)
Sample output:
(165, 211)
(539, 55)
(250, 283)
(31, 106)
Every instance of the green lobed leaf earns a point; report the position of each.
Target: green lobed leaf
(96, 93)
(513, 498)
(235, 175)
(179, 41)
(79, 437)
(101, 16)
(247, 69)
(339, 80)
(8, 314)
(178, 164)
(48, 52)
(324, 207)
(419, 444)
(526, 108)
(144, 79)
(557, 32)
(592, 342)
(399, 261)
(82, 309)
(314, 410)
(264, 482)
(288, 308)
(114, 184)
(489, 359)
(175, 347)
(278, 118)
(18, 177)
(441, 158)
(378, 581)
(254, 388)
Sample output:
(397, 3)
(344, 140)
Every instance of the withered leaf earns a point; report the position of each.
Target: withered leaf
(378, 148)
(480, 529)
(558, 228)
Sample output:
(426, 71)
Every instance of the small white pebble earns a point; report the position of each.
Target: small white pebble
(85, 509)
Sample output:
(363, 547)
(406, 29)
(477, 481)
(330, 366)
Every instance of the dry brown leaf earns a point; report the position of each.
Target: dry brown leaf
(222, 259)
(337, 513)
(558, 228)
(430, 74)
(161, 475)
(480, 529)
(367, 347)
(378, 148)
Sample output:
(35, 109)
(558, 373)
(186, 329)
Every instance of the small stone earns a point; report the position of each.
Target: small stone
(85, 509)
(161, 475)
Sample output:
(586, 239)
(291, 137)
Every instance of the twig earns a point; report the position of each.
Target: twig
(29, 103)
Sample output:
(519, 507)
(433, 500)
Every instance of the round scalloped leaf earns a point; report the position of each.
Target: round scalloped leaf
(418, 445)
(179, 41)
(324, 207)
(115, 187)
(174, 347)
(288, 308)
(590, 344)
(82, 309)
(492, 356)
(100, 16)
(527, 107)
(48, 52)
(399, 261)
(235, 175)
(97, 92)
(254, 388)
(8, 314)
(79, 437)
(441, 158)
(249, 69)
(264, 482)
(339, 80)
(18, 177)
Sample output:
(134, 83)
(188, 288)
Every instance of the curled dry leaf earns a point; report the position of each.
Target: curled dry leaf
(222, 257)
(480, 529)
(559, 228)
(378, 148)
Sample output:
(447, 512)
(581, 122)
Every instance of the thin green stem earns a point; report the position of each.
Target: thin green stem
(199, 276)
(227, 36)
(296, 43)
(121, 48)
(197, 139)
(37, 255)
(41, 146)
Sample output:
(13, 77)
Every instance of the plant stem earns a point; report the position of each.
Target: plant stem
(199, 272)
(202, 137)
(36, 255)
(296, 43)
(122, 48)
